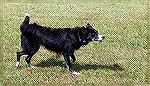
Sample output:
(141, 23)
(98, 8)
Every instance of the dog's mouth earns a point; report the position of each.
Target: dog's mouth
(99, 38)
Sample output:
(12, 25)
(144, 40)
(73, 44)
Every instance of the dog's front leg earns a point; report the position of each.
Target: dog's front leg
(72, 58)
(69, 65)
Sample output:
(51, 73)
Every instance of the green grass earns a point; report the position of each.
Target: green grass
(103, 1)
(123, 24)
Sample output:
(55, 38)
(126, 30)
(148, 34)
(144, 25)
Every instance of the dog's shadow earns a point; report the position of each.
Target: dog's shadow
(55, 62)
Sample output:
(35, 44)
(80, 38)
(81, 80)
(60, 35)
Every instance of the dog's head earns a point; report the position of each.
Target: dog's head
(93, 34)
(90, 34)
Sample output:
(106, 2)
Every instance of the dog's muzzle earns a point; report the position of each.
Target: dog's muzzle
(99, 38)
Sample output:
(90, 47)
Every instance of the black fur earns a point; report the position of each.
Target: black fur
(60, 40)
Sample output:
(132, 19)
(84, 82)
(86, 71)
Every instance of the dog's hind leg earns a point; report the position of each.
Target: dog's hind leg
(19, 54)
(28, 59)
(29, 48)
(31, 52)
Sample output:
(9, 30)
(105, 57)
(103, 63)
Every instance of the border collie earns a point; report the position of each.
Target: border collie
(63, 41)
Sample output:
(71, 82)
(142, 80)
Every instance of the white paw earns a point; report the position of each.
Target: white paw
(27, 14)
(75, 73)
(17, 64)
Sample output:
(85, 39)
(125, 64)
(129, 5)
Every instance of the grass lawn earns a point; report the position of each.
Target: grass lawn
(123, 24)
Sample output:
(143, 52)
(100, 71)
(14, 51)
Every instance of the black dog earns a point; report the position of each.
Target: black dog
(61, 40)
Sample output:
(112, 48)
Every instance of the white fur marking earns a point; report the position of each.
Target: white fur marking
(17, 64)
(27, 14)
(71, 60)
(75, 73)
(100, 37)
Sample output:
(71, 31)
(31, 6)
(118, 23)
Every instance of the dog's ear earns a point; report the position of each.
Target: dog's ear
(88, 25)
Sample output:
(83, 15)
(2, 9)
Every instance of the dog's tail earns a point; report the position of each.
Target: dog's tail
(25, 23)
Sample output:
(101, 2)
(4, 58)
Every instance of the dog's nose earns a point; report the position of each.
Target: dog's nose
(103, 37)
